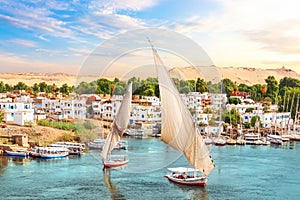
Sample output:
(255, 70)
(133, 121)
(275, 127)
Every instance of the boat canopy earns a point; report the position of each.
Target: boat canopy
(182, 169)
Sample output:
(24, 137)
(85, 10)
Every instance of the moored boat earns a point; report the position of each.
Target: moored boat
(251, 138)
(220, 142)
(18, 153)
(98, 144)
(53, 152)
(231, 141)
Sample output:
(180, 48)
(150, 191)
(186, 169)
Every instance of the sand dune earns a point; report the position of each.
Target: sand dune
(248, 76)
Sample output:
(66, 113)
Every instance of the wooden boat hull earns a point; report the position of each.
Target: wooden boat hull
(295, 138)
(219, 144)
(17, 154)
(197, 182)
(114, 163)
(50, 156)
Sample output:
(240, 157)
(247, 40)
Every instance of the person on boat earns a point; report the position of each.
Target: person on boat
(184, 176)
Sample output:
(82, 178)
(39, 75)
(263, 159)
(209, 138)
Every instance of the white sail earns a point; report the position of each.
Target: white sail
(178, 129)
(119, 125)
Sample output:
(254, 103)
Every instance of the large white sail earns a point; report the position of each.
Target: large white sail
(119, 125)
(178, 129)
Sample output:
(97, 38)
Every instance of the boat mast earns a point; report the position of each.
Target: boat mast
(283, 110)
(296, 114)
(195, 149)
(288, 125)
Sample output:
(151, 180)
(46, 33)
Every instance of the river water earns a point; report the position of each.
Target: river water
(243, 172)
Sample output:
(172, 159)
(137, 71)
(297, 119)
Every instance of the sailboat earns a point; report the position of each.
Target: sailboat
(180, 132)
(118, 128)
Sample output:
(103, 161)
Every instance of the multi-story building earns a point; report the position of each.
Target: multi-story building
(20, 113)
(74, 108)
(269, 119)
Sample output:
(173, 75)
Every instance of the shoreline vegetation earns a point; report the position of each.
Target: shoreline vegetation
(46, 132)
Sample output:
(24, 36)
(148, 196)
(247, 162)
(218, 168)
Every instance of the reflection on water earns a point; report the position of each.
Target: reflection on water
(3, 163)
(18, 160)
(194, 193)
(113, 190)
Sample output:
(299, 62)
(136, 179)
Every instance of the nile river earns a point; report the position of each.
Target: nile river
(243, 172)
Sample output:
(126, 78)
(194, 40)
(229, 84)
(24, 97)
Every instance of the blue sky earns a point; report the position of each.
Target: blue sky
(57, 36)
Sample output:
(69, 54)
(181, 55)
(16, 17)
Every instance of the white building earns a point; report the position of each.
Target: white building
(74, 109)
(269, 119)
(106, 109)
(241, 108)
(146, 114)
(17, 112)
(217, 100)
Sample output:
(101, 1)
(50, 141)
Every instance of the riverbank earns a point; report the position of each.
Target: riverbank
(39, 135)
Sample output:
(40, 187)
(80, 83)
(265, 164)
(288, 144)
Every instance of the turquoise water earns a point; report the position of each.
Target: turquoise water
(243, 172)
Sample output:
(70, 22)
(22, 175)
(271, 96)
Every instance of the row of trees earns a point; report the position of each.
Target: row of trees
(147, 87)
(273, 91)
(37, 87)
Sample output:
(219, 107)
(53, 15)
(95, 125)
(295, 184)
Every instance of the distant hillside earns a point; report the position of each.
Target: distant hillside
(248, 76)
(31, 78)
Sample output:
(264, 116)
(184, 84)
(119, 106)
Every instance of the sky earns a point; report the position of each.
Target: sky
(58, 36)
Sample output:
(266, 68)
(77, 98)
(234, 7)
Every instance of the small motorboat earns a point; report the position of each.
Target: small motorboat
(18, 153)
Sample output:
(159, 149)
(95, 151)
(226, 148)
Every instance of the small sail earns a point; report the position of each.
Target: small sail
(178, 129)
(119, 125)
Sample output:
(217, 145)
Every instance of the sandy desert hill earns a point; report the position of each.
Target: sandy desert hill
(248, 76)
(31, 78)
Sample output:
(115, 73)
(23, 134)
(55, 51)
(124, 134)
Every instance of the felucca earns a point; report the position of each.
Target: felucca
(179, 131)
(118, 128)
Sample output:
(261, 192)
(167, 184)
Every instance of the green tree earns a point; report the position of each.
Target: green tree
(30, 90)
(214, 87)
(232, 117)
(8, 88)
(65, 89)
(54, 88)
(20, 86)
(272, 88)
(244, 88)
(43, 87)
(287, 83)
(228, 86)
(36, 88)
(201, 85)
(1, 116)
(256, 92)
(2, 87)
(104, 86)
(254, 119)
(185, 89)
(234, 101)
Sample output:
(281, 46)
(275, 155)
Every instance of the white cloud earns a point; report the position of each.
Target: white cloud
(113, 6)
(26, 43)
(13, 63)
(34, 18)
(246, 33)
